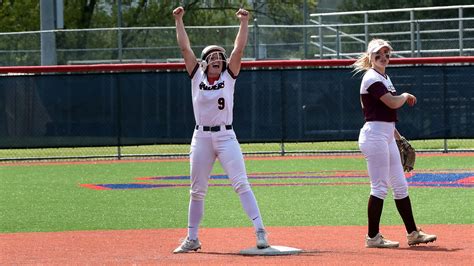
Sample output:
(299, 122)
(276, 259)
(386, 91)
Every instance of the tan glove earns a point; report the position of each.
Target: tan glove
(407, 154)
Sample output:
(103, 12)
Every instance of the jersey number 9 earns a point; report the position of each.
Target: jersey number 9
(221, 103)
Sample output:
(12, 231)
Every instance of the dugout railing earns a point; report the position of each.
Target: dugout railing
(281, 107)
(416, 32)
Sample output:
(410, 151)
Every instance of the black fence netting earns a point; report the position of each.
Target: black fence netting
(279, 105)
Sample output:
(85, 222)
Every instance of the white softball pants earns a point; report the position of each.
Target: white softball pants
(377, 143)
(206, 146)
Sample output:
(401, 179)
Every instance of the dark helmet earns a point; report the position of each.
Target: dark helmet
(208, 50)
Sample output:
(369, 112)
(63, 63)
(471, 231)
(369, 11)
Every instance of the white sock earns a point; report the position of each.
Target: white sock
(196, 211)
(249, 203)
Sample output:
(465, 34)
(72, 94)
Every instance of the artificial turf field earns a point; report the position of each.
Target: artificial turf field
(292, 192)
(48, 197)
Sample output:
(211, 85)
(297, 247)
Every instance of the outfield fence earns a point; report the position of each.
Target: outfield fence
(281, 107)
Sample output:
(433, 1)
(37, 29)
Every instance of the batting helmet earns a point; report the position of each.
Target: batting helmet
(208, 51)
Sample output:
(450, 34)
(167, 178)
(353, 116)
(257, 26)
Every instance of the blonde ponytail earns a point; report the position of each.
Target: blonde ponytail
(362, 64)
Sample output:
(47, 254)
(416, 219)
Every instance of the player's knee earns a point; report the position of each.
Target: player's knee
(400, 188)
(241, 187)
(380, 193)
(400, 192)
(198, 195)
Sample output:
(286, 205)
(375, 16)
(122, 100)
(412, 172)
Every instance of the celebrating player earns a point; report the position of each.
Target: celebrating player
(212, 85)
(380, 102)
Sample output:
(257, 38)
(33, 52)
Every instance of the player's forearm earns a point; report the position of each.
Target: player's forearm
(393, 102)
(398, 101)
(241, 38)
(182, 36)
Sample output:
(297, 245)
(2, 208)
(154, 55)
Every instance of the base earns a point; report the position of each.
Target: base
(270, 251)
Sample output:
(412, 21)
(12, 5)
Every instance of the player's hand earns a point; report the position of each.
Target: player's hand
(242, 14)
(411, 99)
(178, 12)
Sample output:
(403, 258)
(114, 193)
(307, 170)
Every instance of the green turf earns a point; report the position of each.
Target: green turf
(183, 149)
(47, 198)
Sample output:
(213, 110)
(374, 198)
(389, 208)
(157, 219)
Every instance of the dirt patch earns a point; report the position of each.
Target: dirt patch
(321, 244)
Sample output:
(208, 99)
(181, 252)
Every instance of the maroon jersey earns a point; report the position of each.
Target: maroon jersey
(374, 85)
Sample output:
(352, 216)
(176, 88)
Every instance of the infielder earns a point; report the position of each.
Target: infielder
(212, 84)
(380, 102)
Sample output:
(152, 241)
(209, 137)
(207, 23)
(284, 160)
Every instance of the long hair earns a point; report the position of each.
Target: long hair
(363, 61)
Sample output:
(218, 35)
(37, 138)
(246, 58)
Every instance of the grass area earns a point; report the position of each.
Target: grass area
(163, 150)
(43, 198)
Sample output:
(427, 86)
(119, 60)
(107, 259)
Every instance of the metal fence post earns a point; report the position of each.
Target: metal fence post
(445, 111)
(412, 32)
(461, 29)
(283, 112)
(119, 117)
(366, 28)
(338, 43)
(48, 36)
(305, 30)
(255, 39)
(418, 40)
(119, 30)
(321, 51)
(282, 148)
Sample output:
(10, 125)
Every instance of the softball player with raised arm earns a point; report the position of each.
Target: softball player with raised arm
(380, 102)
(212, 84)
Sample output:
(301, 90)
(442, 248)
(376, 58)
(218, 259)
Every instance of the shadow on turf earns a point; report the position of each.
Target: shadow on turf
(431, 248)
(321, 252)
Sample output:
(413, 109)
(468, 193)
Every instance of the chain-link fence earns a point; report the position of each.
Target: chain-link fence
(421, 32)
(277, 111)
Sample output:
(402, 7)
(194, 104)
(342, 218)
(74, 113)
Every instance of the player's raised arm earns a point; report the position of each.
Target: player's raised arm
(240, 41)
(183, 41)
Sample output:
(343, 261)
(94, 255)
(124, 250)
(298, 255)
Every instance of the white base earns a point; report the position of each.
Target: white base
(271, 251)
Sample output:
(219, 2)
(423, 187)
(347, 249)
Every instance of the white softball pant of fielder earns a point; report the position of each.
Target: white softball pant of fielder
(206, 146)
(377, 143)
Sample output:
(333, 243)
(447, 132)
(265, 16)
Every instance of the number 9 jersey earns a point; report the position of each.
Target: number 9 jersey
(213, 103)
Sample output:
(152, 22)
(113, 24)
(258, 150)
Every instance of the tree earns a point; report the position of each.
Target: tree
(149, 43)
(19, 15)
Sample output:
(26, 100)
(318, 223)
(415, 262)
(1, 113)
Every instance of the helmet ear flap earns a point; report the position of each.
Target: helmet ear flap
(203, 64)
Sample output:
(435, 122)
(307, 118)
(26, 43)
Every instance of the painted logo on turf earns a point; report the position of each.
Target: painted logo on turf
(442, 179)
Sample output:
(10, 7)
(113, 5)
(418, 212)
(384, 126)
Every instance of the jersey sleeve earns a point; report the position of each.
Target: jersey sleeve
(377, 89)
(196, 67)
(231, 73)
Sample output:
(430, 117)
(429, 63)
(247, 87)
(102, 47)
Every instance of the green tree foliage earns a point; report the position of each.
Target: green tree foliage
(19, 15)
(24, 15)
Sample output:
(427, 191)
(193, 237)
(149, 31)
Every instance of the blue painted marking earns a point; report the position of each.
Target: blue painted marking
(452, 177)
(443, 185)
(417, 180)
(250, 176)
(182, 177)
(135, 186)
(185, 177)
